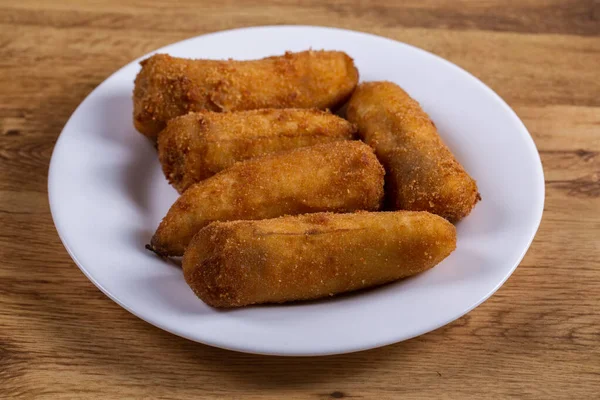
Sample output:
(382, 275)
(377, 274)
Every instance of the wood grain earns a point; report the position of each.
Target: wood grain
(537, 337)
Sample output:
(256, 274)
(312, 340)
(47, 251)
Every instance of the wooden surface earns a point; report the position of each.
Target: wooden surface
(537, 337)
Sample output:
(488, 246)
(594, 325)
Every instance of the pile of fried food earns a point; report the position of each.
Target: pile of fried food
(279, 200)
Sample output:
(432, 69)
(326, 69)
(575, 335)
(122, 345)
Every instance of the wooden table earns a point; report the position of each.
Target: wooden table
(537, 337)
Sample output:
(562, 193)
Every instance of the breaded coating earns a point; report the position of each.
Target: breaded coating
(422, 173)
(340, 176)
(238, 263)
(196, 146)
(167, 87)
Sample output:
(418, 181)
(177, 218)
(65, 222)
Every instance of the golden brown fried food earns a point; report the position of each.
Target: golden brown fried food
(196, 146)
(340, 176)
(233, 264)
(167, 87)
(422, 173)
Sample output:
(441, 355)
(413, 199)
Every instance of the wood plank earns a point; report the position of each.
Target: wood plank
(578, 17)
(563, 128)
(550, 80)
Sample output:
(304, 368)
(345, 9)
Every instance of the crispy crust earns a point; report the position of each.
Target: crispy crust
(233, 264)
(422, 173)
(196, 146)
(167, 87)
(340, 176)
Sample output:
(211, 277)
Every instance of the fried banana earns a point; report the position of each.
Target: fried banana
(340, 176)
(167, 87)
(238, 263)
(196, 146)
(422, 174)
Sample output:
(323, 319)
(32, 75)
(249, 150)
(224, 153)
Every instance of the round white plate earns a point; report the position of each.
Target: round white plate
(107, 195)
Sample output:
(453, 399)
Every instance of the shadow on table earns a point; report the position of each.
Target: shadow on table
(82, 322)
(273, 372)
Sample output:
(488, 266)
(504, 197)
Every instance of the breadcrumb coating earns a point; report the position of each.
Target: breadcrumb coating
(196, 146)
(167, 87)
(341, 176)
(422, 173)
(234, 264)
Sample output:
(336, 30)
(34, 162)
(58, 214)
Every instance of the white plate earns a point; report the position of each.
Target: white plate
(107, 195)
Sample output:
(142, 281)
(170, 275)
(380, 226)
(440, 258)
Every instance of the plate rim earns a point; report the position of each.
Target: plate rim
(531, 148)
